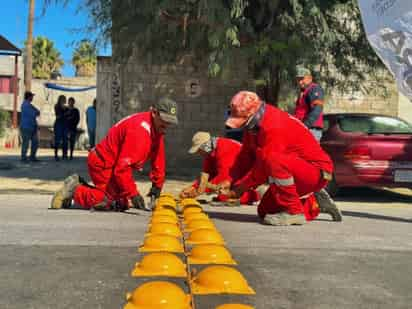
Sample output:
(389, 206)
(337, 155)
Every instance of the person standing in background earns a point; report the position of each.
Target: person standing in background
(29, 128)
(91, 123)
(60, 128)
(309, 104)
(72, 120)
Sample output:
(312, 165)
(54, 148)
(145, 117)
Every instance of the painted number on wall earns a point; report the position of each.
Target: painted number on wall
(193, 88)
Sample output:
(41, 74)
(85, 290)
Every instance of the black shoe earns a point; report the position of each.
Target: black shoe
(57, 159)
(24, 160)
(327, 205)
(34, 160)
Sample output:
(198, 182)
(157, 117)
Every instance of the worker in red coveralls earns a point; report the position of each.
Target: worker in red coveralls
(309, 105)
(280, 150)
(127, 146)
(219, 155)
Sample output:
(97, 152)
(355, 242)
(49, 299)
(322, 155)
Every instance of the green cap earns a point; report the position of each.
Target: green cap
(167, 109)
(302, 72)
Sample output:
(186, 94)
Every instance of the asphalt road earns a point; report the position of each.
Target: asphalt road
(81, 259)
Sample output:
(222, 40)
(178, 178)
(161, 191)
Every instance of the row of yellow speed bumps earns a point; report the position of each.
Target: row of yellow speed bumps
(163, 242)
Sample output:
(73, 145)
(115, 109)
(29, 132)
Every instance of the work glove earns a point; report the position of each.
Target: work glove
(138, 202)
(189, 192)
(154, 192)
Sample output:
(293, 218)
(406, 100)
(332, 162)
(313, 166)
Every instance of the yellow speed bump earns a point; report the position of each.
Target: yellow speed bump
(167, 194)
(164, 206)
(166, 201)
(210, 254)
(234, 306)
(165, 212)
(220, 280)
(189, 202)
(165, 229)
(160, 264)
(158, 294)
(163, 219)
(204, 237)
(195, 216)
(199, 224)
(161, 243)
(191, 210)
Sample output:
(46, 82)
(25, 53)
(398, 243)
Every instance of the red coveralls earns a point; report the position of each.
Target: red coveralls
(127, 146)
(284, 153)
(218, 164)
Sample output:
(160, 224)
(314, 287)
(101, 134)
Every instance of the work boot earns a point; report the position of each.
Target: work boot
(327, 205)
(284, 219)
(63, 197)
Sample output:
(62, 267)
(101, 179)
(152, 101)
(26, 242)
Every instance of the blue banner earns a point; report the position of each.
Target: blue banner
(62, 88)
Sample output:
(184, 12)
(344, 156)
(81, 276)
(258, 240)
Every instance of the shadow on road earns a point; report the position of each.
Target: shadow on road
(372, 196)
(48, 169)
(230, 216)
(367, 215)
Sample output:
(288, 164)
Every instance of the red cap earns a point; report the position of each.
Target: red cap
(243, 106)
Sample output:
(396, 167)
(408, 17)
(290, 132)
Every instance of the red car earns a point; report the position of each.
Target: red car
(368, 150)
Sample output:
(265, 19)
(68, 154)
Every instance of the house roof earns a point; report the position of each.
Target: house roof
(7, 48)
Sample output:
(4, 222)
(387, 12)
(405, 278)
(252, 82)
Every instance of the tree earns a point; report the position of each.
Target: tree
(84, 58)
(46, 58)
(274, 35)
(28, 64)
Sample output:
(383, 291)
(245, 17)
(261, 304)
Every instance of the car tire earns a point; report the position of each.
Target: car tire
(332, 187)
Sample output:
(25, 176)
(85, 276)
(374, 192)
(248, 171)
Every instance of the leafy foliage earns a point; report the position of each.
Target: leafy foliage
(325, 35)
(85, 58)
(46, 58)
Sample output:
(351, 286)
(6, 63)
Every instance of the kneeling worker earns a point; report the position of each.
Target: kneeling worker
(219, 155)
(128, 145)
(278, 149)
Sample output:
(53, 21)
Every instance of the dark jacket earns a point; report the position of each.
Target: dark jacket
(72, 117)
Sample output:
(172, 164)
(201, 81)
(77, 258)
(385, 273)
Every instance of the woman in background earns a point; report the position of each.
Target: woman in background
(60, 128)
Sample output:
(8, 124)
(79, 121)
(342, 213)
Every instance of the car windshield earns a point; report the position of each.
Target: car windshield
(374, 125)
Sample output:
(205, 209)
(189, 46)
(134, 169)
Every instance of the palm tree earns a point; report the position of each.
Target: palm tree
(85, 59)
(46, 58)
(29, 46)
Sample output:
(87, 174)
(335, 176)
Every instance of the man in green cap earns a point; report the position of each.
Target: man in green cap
(309, 105)
(127, 146)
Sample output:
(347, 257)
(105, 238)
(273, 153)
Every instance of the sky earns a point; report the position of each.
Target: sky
(57, 24)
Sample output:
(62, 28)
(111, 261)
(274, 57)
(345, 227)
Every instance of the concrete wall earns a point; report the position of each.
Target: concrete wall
(361, 103)
(405, 108)
(105, 117)
(7, 69)
(202, 101)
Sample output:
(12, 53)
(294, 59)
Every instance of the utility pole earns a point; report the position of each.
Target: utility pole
(28, 65)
